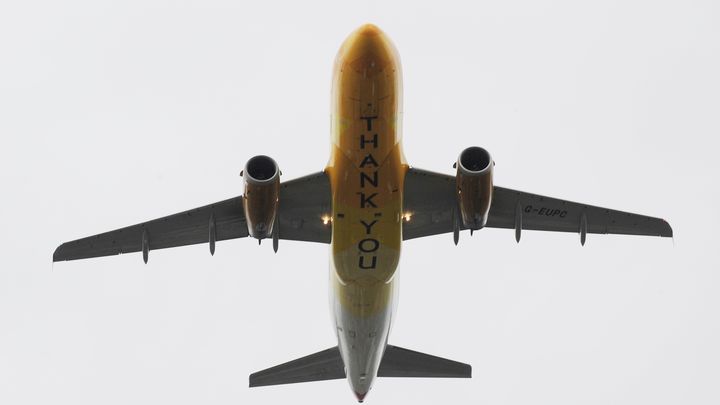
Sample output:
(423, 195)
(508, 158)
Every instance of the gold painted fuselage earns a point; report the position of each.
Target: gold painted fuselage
(366, 172)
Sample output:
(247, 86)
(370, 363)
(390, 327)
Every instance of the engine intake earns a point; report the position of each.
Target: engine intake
(260, 199)
(474, 186)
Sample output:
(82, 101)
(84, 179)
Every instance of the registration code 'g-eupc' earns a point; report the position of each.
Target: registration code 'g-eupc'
(548, 212)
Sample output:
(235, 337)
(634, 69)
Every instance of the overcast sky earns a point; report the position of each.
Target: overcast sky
(113, 113)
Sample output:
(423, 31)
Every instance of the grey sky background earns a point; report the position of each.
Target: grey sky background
(112, 113)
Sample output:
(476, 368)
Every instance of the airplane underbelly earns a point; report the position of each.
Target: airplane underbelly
(366, 172)
(365, 252)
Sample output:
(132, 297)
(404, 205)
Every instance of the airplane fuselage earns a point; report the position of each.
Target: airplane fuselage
(366, 172)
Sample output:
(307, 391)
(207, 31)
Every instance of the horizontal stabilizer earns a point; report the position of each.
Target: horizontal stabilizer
(328, 365)
(399, 362)
(324, 365)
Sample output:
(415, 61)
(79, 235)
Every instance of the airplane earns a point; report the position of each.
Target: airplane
(366, 202)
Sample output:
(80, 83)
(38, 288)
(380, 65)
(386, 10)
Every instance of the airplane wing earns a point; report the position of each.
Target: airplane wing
(303, 201)
(431, 200)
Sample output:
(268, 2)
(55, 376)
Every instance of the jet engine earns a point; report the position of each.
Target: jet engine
(260, 200)
(474, 186)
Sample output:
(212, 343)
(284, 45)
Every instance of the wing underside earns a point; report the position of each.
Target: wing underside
(431, 198)
(185, 228)
(303, 202)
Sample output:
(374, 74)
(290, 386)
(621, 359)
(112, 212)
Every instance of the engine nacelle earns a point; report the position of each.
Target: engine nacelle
(260, 199)
(474, 186)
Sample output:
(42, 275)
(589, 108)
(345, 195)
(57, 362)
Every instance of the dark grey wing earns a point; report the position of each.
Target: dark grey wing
(551, 214)
(186, 228)
(303, 201)
(430, 198)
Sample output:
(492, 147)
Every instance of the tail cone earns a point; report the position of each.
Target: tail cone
(360, 397)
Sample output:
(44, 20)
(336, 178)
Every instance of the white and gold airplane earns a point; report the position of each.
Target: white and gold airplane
(365, 203)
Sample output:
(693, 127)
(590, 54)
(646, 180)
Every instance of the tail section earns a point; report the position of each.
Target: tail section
(328, 365)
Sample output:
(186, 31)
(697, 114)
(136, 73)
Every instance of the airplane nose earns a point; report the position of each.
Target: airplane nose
(368, 38)
(367, 51)
(369, 30)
